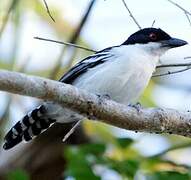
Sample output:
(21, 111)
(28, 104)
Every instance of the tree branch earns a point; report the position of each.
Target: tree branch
(153, 23)
(172, 72)
(72, 40)
(187, 13)
(48, 11)
(174, 65)
(65, 43)
(131, 15)
(186, 65)
(180, 7)
(146, 120)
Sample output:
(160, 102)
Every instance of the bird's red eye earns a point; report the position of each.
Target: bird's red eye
(153, 36)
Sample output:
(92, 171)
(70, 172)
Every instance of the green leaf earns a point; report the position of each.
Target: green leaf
(168, 175)
(79, 164)
(93, 148)
(126, 167)
(124, 142)
(18, 174)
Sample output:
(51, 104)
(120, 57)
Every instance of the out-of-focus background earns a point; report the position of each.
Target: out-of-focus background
(95, 150)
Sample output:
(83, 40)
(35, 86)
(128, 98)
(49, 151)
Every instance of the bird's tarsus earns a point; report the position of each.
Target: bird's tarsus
(137, 106)
(104, 96)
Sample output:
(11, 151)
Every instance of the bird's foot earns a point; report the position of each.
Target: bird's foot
(137, 106)
(104, 96)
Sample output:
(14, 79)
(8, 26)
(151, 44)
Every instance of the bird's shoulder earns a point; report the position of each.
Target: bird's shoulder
(89, 62)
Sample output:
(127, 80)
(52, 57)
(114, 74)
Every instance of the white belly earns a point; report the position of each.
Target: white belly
(122, 79)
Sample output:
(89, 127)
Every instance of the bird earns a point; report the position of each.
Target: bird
(121, 72)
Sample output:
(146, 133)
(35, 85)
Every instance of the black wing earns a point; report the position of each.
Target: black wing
(89, 62)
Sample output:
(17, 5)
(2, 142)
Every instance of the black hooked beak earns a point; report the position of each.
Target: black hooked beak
(173, 42)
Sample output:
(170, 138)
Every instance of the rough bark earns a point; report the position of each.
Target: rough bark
(94, 107)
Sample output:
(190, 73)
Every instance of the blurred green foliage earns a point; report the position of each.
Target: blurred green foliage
(90, 161)
(168, 175)
(18, 174)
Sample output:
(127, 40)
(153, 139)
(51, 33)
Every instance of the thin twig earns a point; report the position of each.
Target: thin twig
(73, 39)
(153, 23)
(174, 65)
(78, 30)
(70, 132)
(131, 15)
(188, 18)
(180, 7)
(65, 43)
(172, 72)
(48, 11)
(184, 10)
(85, 17)
(188, 57)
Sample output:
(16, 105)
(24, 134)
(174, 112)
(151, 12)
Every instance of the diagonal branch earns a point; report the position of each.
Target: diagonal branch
(187, 13)
(153, 23)
(188, 18)
(131, 15)
(65, 43)
(180, 7)
(72, 40)
(48, 11)
(146, 120)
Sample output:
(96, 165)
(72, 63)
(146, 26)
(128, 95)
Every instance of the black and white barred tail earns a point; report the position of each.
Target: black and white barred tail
(28, 127)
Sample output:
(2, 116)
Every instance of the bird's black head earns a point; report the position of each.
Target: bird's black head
(147, 35)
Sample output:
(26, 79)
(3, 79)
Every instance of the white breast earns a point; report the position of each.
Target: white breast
(123, 77)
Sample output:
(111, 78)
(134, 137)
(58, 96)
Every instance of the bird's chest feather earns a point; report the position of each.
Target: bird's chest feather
(122, 78)
(131, 78)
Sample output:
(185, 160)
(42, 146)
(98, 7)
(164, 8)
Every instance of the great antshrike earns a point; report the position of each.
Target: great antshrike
(122, 72)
